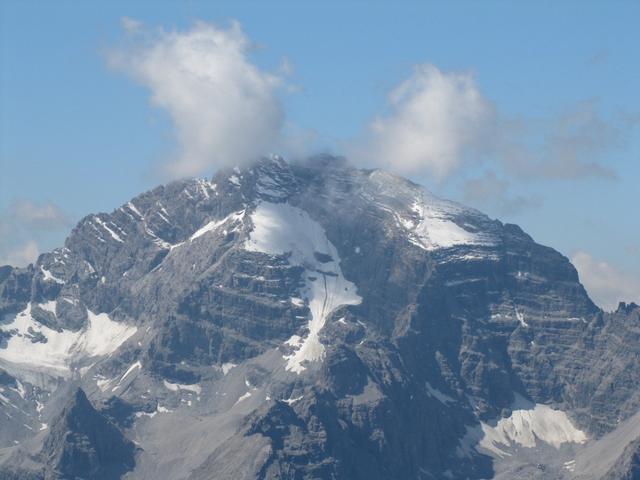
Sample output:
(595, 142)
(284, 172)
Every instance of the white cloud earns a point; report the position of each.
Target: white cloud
(568, 146)
(606, 284)
(45, 215)
(23, 224)
(131, 25)
(434, 119)
(438, 124)
(22, 255)
(495, 192)
(225, 109)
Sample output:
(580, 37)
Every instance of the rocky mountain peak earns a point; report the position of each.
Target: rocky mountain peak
(627, 308)
(83, 443)
(324, 321)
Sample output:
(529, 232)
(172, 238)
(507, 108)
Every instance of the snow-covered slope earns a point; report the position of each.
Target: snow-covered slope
(432, 225)
(526, 426)
(34, 345)
(280, 229)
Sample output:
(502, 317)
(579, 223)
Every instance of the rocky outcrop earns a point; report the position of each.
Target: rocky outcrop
(82, 443)
(628, 465)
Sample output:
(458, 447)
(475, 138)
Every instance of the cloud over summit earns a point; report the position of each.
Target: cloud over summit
(433, 119)
(225, 110)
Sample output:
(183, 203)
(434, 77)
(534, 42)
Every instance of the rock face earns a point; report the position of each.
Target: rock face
(628, 465)
(310, 320)
(83, 443)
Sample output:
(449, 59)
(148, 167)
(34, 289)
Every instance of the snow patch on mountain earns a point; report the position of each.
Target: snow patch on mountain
(113, 234)
(49, 306)
(49, 277)
(434, 224)
(215, 224)
(242, 398)
(226, 367)
(279, 229)
(36, 345)
(204, 186)
(176, 387)
(525, 427)
(135, 366)
(298, 302)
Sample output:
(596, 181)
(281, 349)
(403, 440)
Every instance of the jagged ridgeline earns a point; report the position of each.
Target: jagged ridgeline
(310, 320)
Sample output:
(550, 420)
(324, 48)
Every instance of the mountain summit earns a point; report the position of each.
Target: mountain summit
(312, 320)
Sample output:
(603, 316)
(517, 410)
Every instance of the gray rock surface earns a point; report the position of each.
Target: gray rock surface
(627, 467)
(454, 318)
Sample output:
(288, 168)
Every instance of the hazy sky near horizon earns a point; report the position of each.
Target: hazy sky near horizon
(528, 111)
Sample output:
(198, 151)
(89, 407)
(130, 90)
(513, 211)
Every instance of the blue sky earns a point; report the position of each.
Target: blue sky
(553, 84)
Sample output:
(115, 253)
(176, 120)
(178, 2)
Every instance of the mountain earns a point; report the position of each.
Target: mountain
(311, 320)
(81, 443)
